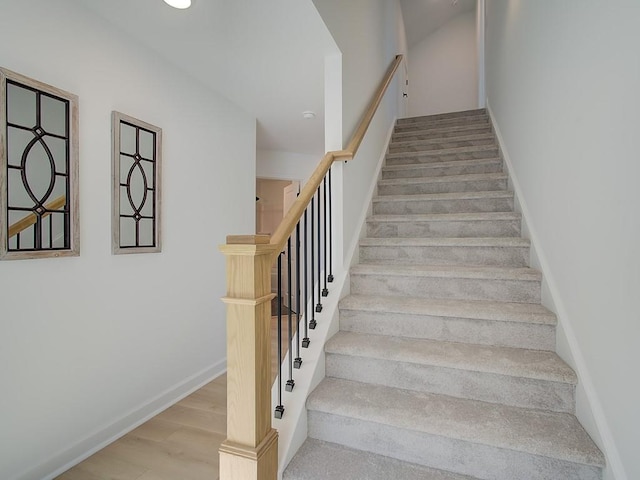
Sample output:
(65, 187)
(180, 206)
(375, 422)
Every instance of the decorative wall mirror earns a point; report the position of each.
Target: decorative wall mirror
(136, 161)
(39, 215)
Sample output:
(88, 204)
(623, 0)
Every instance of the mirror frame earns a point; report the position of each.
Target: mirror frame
(72, 202)
(116, 119)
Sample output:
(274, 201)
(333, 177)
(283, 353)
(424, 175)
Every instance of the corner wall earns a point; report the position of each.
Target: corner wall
(369, 35)
(286, 165)
(562, 84)
(89, 346)
(444, 69)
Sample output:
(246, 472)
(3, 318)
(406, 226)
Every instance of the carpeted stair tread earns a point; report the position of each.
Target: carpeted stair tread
(441, 116)
(428, 166)
(460, 167)
(446, 217)
(417, 145)
(490, 251)
(483, 151)
(449, 271)
(450, 202)
(474, 177)
(434, 131)
(513, 362)
(463, 137)
(498, 242)
(468, 118)
(472, 309)
(445, 196)
(536, 432)
(318, 460)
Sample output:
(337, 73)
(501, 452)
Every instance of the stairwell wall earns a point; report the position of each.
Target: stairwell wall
(562, 85)
(286, 165)
(369, 34)
(444, 73)
(90, 346)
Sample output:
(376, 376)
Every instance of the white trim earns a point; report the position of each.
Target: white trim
(76, 453)
(614, 469)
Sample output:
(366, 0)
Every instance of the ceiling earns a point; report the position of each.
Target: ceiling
(423, 17)
(265, 56)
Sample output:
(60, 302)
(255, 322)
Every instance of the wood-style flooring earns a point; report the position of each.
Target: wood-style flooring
(181, 443)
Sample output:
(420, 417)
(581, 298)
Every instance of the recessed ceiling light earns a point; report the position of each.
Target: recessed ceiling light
(181, 4)
(308, 115)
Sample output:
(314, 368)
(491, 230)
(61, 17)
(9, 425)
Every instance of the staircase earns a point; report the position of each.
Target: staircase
(444, 365)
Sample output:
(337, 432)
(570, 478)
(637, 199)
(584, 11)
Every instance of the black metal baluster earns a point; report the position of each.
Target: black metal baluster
(279, 408)
(290, 382)
(37, 235)
(312, 323)
(330, 277)
(50, 230)
(18, 241)
(325, 290)
(67, 209)
(298, 361)
(305, 340)
(319, 304)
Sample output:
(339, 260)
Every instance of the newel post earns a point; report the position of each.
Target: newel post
(250, 451)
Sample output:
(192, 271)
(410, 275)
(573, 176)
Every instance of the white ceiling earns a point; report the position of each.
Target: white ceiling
(265, 56)
(423, 17)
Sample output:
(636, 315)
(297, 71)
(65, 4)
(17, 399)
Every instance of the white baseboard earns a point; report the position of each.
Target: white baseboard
(588, 407)
(103, 436)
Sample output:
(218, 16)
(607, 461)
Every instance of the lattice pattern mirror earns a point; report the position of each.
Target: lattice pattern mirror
(38, 169)
(136, 152)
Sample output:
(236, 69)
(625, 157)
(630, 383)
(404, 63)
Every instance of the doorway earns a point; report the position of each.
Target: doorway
(274, 197)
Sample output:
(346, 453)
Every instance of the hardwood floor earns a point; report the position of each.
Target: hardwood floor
(180, 443)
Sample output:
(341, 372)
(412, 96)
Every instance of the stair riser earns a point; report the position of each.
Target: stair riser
(431, 134)
(421, 124)
(487, 387)
(443, 116)
(442, 156)
(435, 171)
(460, 456)
(451, 329)
(443, 187)
(471, 228)
(440, 145)
(317, 460)
(444, 255)
(479, 205)
(519, 291)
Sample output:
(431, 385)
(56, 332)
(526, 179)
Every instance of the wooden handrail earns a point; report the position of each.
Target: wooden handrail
(291, 219)
(32, 218)
(358, 135)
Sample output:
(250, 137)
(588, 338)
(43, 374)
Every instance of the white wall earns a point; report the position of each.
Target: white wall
(368, 35)
(562, 83)
(286, 165)
(444, 69)
(91, 345)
